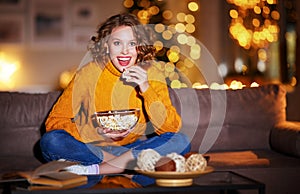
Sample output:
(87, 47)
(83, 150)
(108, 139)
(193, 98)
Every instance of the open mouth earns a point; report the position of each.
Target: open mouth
(124, 61)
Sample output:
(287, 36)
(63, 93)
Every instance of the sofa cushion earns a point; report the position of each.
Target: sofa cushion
(25, 109)
(285, 138)
(19, 141)
(213, 118)
(22, 121)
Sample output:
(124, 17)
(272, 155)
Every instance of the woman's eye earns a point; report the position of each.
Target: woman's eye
(116, 43)
(132, 43)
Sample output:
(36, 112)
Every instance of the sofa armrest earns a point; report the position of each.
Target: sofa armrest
(285, 138)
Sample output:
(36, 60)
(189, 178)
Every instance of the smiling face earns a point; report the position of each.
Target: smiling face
(122, 47)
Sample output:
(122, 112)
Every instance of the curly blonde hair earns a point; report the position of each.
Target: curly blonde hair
(145, 48)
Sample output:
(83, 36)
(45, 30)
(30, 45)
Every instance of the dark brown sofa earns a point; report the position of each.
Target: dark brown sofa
(217, 121)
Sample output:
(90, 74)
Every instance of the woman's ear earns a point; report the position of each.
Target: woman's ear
(106, 48)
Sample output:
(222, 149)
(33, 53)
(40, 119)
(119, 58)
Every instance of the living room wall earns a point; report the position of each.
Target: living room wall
(42, 56)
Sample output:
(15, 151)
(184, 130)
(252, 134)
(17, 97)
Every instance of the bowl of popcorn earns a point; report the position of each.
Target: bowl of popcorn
(117, 120)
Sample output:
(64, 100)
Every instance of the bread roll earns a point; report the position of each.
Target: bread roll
(165, 164)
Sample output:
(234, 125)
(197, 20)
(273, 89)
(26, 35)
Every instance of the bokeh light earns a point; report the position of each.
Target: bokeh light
(180, 17)
(128, 3)
(167, 14)
(193, 6)
(159, 28)
(254, 23)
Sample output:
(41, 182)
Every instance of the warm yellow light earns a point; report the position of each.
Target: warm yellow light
(154, 10)
(171, 27)
(182, 39)
(159, 28)
(254, 84)
(65, 78)
(233, 13)
(273, 29)
(180, 27)
(7, 70)
(193, 6)
(196, 48)
(173, 56)
(217, 86)
(143, 16)
(191, 41)
(260, 33)
(241, 34)
(266, 10)
(271, 2)
(257, 10)
(198, 85)
(169, 67)
(293, 81)
(195, 55)
(256, 22)
(175, 48)
(267, 22)
(167, 14)
(235, 85)
(144, 3)
(244, 38)
(158, 45)
(189, 19)
(175, 84)
(190, 28)
(128, 3)
(180, 17)
(275, 15)
(246, 4)
(270, 38)
(167, 34)
(262, 54)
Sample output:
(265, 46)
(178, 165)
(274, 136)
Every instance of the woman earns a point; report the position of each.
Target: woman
(121, 75)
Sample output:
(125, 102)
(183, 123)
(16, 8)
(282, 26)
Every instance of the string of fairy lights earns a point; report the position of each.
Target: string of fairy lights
(254, 23)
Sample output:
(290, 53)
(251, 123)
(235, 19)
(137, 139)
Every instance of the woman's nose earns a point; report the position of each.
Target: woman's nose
(125, 49)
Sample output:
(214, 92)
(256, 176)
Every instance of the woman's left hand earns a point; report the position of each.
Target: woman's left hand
(137, 75)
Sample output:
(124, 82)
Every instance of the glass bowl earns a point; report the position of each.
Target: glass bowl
(117, 120)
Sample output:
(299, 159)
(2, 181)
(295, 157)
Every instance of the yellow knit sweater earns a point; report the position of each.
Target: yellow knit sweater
(93, 89)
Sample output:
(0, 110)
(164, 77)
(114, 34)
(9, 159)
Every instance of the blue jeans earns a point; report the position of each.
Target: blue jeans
(58, 144)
